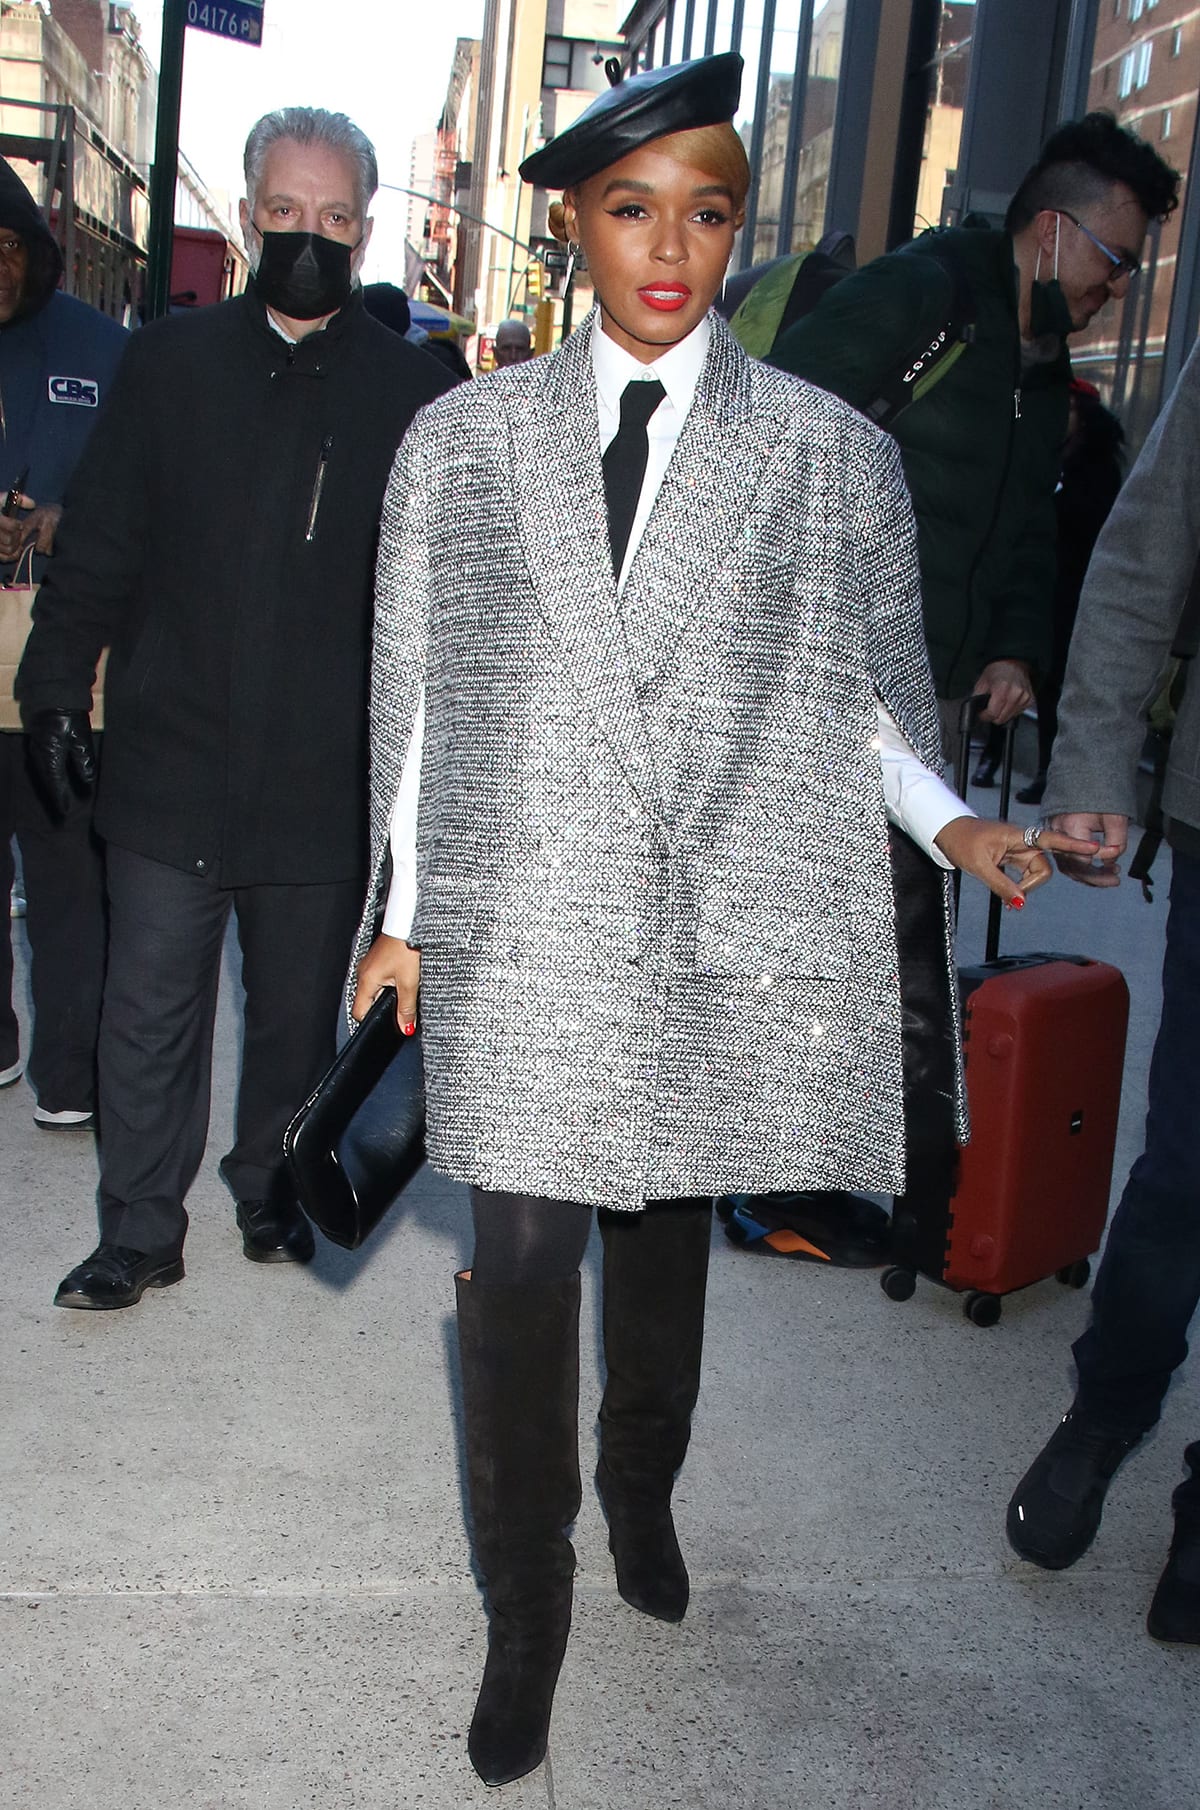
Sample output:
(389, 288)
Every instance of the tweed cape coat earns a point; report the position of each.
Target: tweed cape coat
(654, 898)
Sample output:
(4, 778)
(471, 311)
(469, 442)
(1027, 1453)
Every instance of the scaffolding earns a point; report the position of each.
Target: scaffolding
(96, 202)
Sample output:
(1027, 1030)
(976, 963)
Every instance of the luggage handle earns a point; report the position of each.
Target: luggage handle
(966, 722)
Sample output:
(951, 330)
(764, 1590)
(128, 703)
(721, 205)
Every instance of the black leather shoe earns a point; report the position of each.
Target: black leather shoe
(1034, 792)
(116, 1276)
(1175, 1611)
(1056, 1508)
(274, 1231)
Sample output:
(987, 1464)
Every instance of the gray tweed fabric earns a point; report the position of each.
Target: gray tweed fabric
(654, 899)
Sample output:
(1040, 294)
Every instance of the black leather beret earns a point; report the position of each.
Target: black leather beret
(648, 105)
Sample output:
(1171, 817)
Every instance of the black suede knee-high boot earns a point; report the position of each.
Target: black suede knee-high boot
(519, 1346)
(655, 1272)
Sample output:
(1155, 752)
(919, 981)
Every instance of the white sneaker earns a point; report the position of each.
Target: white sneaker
(16, 906)
(10, 1076)
(64, 1121)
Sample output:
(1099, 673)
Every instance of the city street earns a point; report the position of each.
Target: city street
(234, 1569)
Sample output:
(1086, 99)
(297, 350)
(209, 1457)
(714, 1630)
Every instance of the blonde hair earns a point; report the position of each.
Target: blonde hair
(717, 150)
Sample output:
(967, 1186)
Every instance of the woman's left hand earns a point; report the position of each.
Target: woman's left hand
(985, 849)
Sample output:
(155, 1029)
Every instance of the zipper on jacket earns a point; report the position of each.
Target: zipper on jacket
(1017, 403)
(318, 486)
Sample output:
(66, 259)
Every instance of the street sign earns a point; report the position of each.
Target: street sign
(241, 20)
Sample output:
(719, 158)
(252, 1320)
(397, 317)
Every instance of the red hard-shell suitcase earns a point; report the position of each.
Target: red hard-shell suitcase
(1044, 1045)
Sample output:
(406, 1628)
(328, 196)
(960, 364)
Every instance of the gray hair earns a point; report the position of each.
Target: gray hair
(313, 126)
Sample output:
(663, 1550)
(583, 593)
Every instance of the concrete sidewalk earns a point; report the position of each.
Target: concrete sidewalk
(234, 1570)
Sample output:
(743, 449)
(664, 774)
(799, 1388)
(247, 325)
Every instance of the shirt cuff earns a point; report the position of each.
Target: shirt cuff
(402, 835)
(918, 800)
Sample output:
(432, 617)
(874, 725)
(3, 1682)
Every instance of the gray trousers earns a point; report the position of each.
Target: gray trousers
(167, 928)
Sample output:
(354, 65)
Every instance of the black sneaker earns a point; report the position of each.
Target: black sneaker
(1175, 1611)
(1056, 1508)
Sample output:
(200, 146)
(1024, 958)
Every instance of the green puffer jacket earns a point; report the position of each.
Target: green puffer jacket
(981, 449)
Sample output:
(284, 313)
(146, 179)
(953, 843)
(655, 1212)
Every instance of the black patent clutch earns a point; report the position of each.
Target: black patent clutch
(359, 1138)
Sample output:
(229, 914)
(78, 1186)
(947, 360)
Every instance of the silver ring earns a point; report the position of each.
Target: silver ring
(1032, 835)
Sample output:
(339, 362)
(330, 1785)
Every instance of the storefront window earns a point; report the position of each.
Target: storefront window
(723, 26)
(790, 15)
(753, 51)
(1146, 70)
(814, 149)
(673, 33)
(948, 75)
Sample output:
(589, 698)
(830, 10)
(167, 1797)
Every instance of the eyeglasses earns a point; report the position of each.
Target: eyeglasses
(1124, 264)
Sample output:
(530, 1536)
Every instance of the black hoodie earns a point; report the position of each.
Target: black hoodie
(20, 213)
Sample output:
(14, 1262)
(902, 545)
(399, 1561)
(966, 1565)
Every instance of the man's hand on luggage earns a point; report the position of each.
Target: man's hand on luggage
(985, 849)
(389, 962)
(1009, 685)
(1105, 833)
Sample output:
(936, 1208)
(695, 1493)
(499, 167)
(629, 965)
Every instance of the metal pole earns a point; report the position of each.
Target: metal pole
(478, 219)
(166, 160)
(513, 240)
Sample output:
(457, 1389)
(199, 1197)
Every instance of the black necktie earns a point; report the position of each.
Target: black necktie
(624, 463)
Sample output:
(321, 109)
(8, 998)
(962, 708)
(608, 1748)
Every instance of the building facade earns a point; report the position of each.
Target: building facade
(541, 63)
(78, 98)
(1145, 68)
(880, 117)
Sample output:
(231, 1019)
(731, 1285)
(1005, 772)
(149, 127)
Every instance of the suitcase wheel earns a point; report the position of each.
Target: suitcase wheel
(898, 1284)
(982, 1310)
(1075, 1275)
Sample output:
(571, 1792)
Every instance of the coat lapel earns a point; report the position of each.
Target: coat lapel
(703, 510)
(555, 451)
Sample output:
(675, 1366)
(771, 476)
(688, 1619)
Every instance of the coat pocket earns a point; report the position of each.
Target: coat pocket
(447, 907)
(743, 936)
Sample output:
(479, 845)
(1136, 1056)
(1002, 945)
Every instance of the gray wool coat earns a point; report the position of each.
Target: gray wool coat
(1131, 604)
(654, 895)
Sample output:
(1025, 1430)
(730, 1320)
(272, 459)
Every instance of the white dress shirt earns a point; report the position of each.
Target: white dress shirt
(916, 799)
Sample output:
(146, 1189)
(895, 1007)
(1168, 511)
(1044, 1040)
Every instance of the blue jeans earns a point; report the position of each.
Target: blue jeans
(1148, 1283)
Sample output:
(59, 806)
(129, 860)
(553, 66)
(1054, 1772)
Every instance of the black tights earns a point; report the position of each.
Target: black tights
(526, 1238)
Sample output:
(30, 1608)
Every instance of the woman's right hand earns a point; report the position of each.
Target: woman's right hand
(389, 962)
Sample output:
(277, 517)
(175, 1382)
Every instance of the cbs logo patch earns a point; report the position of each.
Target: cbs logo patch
(79, 392)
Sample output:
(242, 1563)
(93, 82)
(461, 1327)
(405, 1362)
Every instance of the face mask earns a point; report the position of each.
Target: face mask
(302, 275)
(1049, 310)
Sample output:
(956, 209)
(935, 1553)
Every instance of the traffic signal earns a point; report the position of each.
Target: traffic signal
(536, 281)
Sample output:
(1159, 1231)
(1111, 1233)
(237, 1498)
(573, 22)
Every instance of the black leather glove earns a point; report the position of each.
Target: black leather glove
(62, 750)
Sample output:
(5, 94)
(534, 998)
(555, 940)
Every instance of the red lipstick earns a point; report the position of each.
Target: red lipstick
(667, 298)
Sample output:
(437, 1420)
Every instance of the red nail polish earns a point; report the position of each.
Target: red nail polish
(410, 1030)
(1016, 903)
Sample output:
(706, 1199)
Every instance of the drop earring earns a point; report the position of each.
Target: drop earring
(572, 256)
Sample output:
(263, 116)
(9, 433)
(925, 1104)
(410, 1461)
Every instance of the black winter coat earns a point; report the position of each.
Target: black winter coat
(220, 535)
(981, 448)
